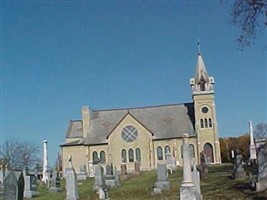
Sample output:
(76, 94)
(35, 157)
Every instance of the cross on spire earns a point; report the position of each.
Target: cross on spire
(198, 46)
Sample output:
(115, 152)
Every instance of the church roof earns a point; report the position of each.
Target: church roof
(164, 122)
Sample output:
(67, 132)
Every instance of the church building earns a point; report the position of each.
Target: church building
(147, 134)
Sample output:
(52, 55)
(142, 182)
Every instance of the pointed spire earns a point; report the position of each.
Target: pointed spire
(201, 72)
(201, 82)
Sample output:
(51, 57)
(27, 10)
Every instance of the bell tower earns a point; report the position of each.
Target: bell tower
(205, 113)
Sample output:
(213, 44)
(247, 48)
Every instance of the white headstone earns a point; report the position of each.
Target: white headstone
(71, 184)
(45, 163)
(187, 189)
(252, 146)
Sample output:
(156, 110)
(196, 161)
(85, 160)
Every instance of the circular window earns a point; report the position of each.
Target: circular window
(129, 133)
(204, 109)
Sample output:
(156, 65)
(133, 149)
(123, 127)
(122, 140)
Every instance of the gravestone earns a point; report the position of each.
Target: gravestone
(123, 169)
(110, 177)
(90, 169)
(203, 166)
(261, 183)
(71, 184)
(30, 186)
(99, 177)
(137, 167)
(162, 179)
(2, 176)
(170, 162)
(196, 181)
(103, 194)
(13, 186)
(117, 178)
(55, 182)
(239, 170)
(187, 189)
(82, 174)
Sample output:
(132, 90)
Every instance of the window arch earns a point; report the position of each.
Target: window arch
(167, 150)
(210, 122)
(138, 154)
(123, 156)
(95, 157)
(206, 123)
(201, 123)
(102, 157)
(159, 153)
(192, 150)
(131, 155)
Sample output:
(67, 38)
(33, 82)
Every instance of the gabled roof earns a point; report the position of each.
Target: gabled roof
(75, 129)
(164, 122)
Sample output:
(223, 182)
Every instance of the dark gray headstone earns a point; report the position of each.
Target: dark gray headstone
(55, 182)
(137, 166)
(123, 169)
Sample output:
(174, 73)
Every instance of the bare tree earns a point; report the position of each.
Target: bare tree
(249, 15)
(19, 155)
(260, 131)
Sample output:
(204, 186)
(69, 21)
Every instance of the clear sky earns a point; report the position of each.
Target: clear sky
(57, 56)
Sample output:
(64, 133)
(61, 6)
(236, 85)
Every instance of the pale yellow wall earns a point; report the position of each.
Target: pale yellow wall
(143, 141)
(207, 135)
(175, 146)
(78, 154)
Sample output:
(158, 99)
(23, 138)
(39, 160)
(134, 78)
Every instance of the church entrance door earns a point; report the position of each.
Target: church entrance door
(208, 151)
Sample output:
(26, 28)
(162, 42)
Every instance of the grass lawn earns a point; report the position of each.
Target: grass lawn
(218, 185)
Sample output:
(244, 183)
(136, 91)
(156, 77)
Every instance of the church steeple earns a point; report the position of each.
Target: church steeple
(202, 82)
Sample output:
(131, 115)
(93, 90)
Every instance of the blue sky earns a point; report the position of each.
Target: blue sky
(57, 56)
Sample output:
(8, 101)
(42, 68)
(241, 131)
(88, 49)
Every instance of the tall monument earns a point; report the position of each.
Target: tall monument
(45, 162)
(252, 146)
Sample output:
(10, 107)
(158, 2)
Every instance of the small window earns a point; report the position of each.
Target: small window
(95, 157)
(206, 123)
(201, 123)
(102, 157)
(192, 150)
(167, 150)
(210, 122)
(131, 155)
(159, 153)
(123, 156)
(138, 154)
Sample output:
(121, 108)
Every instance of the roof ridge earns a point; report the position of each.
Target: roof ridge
(141, 107)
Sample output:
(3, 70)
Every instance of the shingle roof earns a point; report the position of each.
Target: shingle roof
(168, 121)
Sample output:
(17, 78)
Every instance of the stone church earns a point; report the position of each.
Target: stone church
(147, 134)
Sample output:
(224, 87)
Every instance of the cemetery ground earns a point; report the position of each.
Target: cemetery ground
(218, 185)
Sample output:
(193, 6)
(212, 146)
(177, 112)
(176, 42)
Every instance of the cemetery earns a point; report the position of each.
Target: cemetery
(217, 185)
(236, 180)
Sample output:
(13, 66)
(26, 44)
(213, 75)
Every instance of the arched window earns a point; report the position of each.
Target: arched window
(123, 156)
(131, 155)
(138, 154)
(192, 150)
(95, 157)
(206, 123)
(210, 122)
(102, 157)
(167, 150)
(159, 153)
(201, 123)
